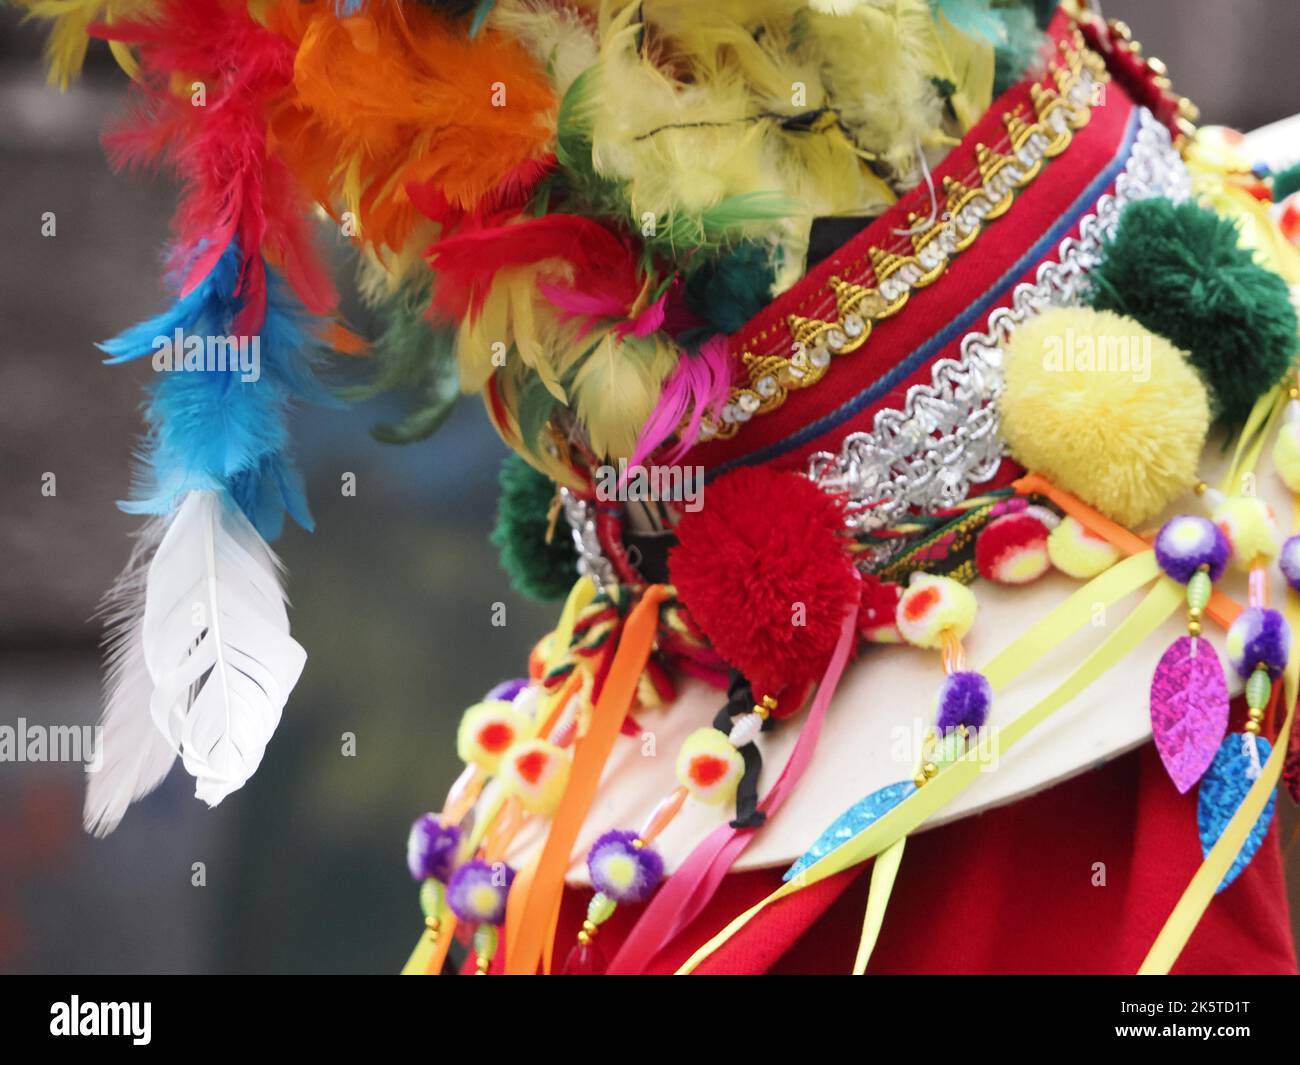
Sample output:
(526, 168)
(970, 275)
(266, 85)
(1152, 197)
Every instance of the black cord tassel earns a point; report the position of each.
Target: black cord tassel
(740, 700)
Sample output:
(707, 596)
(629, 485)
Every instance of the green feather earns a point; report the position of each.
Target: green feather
(729, 292)
(537, 569)
(1286, 182)
(1182, 272)
(412, 353)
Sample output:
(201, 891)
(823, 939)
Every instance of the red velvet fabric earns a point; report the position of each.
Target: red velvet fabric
(1009, 891)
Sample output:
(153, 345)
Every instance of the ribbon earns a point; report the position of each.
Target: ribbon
(1185, 916)
(1160, 602)
(538, 907)
(883, 873)
(688, 891)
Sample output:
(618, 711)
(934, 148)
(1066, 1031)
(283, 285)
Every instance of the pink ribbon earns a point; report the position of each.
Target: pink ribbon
(688, 891)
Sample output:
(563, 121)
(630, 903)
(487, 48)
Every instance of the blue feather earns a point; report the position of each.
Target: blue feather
(210, 429)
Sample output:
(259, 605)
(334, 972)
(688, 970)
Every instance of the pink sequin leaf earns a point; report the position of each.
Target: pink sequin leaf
(1189, 709)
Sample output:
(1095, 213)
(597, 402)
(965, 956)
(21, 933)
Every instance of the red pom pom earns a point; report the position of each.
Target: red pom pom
(764, 542)
(877, 610)
(1012, 549)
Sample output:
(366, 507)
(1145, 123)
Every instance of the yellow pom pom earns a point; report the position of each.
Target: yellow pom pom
(536, 772)
(1077, 552)
(1105, 409)
(1251, 529)
(1286, 454)
(709, 767)
(933, 605)
(488, 730)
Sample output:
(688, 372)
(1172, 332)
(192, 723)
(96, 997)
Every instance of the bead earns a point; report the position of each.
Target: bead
(1198, 591)
(485, 944)
(1193, 628)
(929, 770)
(745, 729)
(1253, 727)
(662, 815)
(1288, 561)
(1259, 689)
(584, 938)
(432, 899)
(600, 909)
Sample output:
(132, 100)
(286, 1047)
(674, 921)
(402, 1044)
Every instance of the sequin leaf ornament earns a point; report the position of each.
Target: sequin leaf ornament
(1189, 696)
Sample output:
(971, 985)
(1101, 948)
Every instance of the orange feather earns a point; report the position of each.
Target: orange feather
(398, 95)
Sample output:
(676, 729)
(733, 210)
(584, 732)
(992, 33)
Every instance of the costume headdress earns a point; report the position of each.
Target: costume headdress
(803, 319)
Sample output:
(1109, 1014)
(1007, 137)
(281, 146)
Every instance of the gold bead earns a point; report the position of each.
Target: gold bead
(1157, 67)
(482, 963)
(1193, 628)
(432, 924)
(1255, 714)
(1252, 727)
(589, 928)
(930, 770)
(1194, 613)
(1201, 488)
(584, 939)
(919, 779)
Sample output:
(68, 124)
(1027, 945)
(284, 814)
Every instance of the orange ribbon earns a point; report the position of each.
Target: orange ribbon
(533, 908)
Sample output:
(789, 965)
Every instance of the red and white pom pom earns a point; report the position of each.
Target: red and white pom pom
(1012, 549)
(932, 607)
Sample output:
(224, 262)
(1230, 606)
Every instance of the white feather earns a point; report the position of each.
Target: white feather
(133, 757)
(217, 644)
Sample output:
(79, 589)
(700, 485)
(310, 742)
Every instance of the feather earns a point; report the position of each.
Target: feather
(698, 385)
(134, 757)
(70, 22)
(398, 95)
(233, 189)
(211, 430)
(616, 387)
(217, 644)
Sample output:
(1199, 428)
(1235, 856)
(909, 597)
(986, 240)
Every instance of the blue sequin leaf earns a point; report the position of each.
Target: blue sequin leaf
(1235, 768)
(851, 822)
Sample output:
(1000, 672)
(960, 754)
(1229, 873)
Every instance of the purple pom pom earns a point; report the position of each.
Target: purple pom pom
(1188, 542)
(431, 849)
(964, 700)
(1259, 637)
(478, 890)
(507, 690)
(621, 869)
(1289, 562)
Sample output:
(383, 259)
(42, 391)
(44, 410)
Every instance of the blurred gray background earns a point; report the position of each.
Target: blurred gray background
(391, 596)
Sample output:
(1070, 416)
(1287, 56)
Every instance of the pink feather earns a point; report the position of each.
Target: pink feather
(698, 385)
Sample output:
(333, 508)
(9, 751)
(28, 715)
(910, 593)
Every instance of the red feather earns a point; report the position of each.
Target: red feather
(232, 188)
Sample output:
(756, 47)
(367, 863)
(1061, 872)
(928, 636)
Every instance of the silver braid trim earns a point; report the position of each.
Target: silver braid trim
(945, 439)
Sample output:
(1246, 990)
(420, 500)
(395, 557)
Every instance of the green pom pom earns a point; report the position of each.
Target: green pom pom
(537, 569)
(1181, 271)
(728, 293)
(1286, 182)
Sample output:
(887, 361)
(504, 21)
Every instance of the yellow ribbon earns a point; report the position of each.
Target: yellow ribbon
(1159, 603)
(1190, 908)
(883, 874)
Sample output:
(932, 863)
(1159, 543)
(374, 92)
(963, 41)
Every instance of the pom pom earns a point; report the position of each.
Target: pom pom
(487, 730)
(507, 690)
(624, 868)
(537, 569)
(536, 773)
(1188, 542)
(1288, 561)
(964, 699)
(431, 848)
(1182, 272)
(1078, 552)
(1104, 409)
(1286, 454)
(877, 610)
(1250, 527)
(1012, 549)
(933, 605)
(1259, 637)
(763, 569)
(477, 891)
(709, 767)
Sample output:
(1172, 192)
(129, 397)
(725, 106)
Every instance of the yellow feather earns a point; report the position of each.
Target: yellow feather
(616, 389)
(557, 36)
(65, 47)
